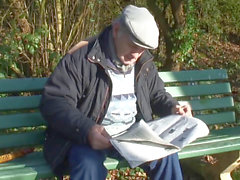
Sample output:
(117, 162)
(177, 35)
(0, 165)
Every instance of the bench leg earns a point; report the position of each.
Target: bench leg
(226, 174)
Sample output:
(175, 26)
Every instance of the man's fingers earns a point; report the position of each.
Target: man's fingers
(98, 137)
(183, 110)
(105, 134)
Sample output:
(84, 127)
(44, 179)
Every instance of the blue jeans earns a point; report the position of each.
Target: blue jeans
(87, 163)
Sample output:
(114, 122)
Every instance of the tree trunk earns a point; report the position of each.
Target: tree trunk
(165, 30)
(178, 13)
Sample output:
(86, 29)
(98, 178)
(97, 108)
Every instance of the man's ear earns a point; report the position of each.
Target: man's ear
(115, 28)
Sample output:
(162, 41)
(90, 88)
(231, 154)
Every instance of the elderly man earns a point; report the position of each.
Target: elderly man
(102, 88)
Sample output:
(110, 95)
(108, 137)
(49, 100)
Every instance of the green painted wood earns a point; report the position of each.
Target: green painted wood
(19, 102)
(31, 166)
(208, 149)
(22, 139)
(217, 118)
(111, 163)
(26, 173)
(224, 140)
(213, 103)
(205, 84)
(22, 84)
(36, 159)
(194, 75)
(21, 120)
(199, 90)
(31, 159)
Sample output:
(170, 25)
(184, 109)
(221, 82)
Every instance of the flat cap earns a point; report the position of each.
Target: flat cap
(141, 25)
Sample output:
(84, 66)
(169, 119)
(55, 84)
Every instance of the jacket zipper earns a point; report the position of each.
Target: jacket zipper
(106, 94)
(103, 106)
(137, 76)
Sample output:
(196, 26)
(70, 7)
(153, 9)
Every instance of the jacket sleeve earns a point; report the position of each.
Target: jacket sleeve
(59, 101)
(161, 101)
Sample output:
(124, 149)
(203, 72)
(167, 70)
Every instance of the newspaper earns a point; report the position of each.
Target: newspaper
(144, 142)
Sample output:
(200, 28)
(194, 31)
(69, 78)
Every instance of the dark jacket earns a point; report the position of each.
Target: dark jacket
(77, 94)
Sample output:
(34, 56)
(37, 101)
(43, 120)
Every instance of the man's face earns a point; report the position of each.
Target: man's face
(126, 50)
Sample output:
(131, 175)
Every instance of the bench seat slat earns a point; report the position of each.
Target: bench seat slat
(26, 173)
(19, 102)
(199, 90)
(224, 140)
(211, 148)
(21, 120)
(31, 159)
(194, 75)
(111, 163)
(219, 135)
(36, 159)
(21, 139)
(22, 84)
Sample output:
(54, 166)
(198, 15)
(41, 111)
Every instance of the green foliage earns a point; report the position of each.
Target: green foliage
(219, 17)
(34, 34)
(184, 38)
(17, 50)
(55, 26)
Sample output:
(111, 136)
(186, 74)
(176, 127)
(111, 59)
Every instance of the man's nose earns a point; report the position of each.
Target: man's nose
(137, 53)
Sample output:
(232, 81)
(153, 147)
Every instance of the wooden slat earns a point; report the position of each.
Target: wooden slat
(213, 103)
(194, 75)
(19, 102)
(223, 140)
(215, 136)
(111, 163)
(22, 84)
(199, 90)
(31, 159)
(21, 139)
(21, 120)
(217, 118)
(210, 148)
(39, 167)
(27, 173)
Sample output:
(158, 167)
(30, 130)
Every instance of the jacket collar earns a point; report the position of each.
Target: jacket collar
(98, 52)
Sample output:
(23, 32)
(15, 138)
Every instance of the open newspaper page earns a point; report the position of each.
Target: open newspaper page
(144, 142)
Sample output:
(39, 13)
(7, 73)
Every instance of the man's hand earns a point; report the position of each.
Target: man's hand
(182, 110)
(98, 137)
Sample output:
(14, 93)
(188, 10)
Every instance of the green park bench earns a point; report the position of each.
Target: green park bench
(21, 125)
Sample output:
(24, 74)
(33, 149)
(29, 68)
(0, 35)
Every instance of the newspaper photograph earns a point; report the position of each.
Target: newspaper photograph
(148, 141)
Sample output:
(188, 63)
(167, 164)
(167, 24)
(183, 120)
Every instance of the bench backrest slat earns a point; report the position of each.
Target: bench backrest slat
(21, 120)
(19, 102)
(22, 84)
(217, 118)
(194, 75)
(213, 103)
(199, 90)
(21, 139)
